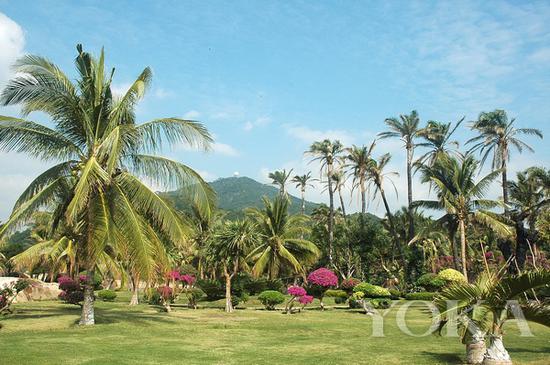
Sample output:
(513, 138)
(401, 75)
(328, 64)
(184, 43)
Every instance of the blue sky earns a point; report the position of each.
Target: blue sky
(270, 77)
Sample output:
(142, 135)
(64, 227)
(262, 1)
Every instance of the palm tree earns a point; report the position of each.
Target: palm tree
(280, 178)
(357, 161)
(100, 153)
(432, 240)
(280, 244)
(327, 152)
(405, 128)
(460, 196)
(339, 179)
(376, 174)
(497, 135)
(487, 304)
(231, 246)
(302, 182)
(437, 139)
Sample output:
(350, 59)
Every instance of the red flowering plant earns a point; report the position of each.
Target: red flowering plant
(166, 296)
(319, 281)
(72, 291)
(347, 285)
(296, 293)
(9, 292)
(305, 300)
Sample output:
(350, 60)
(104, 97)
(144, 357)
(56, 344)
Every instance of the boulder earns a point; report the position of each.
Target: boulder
(37, 290)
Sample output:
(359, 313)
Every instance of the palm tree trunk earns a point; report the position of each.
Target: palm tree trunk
(303, 190)
(135, 291)
(475, 346)
(330, 215)
(463, 247)
(496, 353)
(409, 191)
(87, 317)
(228, 303)
(504, 181)
(342, 203)
(452, 239)
(363, 196)
(392, 225)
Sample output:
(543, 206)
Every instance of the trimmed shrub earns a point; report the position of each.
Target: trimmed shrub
(451, 275)
(275, 284)
(252, 285)
(423, 295)
(340, 296)
(72, 290)
(270, 298)
(193, 296)
(152, 296)
(395, 294)
(381, 303)
(296, 291)
(430, 282)
(371, 291)
(107, 295)
(348, 285)
(213, 289)
(323, 277)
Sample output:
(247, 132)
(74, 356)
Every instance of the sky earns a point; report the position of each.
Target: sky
(268, 78)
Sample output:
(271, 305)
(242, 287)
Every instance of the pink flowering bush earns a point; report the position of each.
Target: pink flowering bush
(165, 292)
(323, 277)
(348, 284)
(188, 279)
(296, 291)
(299, 295)
(72, 290)
(174, 275)
(305, 299)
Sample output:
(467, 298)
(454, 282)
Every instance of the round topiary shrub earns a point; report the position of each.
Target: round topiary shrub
(340, 296)
(371, 291)
(395, 294)
(381, 303)
(430, 282)
(270, 298)
(107, 295)
(349, 284)
(319, 281)
(451, 275)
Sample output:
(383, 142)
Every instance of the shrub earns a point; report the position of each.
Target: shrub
(8, 294)
(107, 295)
(430, 281)
(381, 303)
(371, 291)
(72, 290)
(252, 285)
(336, 294)
(323, 277)
(270, 298)
(305, 299)
(423, 295)
(97, 279)
(296, 291)
(451, 275)
(213, 289)
(275, 284)
(349, 284)
(152, 296)
(395, 294)
(188, 279)
(193, 296)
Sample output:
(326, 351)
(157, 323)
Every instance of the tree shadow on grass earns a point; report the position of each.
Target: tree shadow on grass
(446, 358)
(110, 316)
(539, 350)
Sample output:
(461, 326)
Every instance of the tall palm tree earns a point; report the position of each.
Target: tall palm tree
(460, 196)
(100, 152)
(496, 136)
(280, 178)
(487, 304)
(406, 128)
(338, 178)
(327, 153)
(437, 139)
(357, 160)
(302, 182)
(376, 174)
(281, 245)
(231, 246)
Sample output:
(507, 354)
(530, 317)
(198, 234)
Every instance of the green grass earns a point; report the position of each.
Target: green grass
(46, 333)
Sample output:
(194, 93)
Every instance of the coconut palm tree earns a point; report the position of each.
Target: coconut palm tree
(406, 128)
(280, 178)
(461, 197)
(100, 153)
(338, 178)
(230, 246)
(377, 175)
(487, 304)
(437, 139)
(281, 245)
(496, 136)
(327, 153)
(357, 161)
(302, 182)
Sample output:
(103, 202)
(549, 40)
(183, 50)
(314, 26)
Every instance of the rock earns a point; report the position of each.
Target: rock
(37, 290)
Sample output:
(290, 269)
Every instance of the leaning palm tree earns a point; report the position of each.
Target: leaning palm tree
(496, 136)
(486, 305)
(327, 153)
(280, 243)
(357, 160)
(280, 178)
(461, 197)
(100, 154)
(338, 178)
(302, 182)
(437, 139)
(406, 128)
(377, 176)
(230, 246)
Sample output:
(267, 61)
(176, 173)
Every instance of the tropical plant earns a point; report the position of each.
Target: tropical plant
(496, 136)
(280, 178)
(487, 304)
(406, 128)
(270, 298)
(302, 182)
(319, 281)
(461, 197)
(437, 139)
(357, 160)
(327, 153)
(100, 153)
(280, 243)
(339, 179)
(230, 247)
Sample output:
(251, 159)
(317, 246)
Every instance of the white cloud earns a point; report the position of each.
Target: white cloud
(259, 122)
(120, 89)
(161, 93)
(308, 135)
(541, 56)
(192, 114)
(12, 43)
(224, 149)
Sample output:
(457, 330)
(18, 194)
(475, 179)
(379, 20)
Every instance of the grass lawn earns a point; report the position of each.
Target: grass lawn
(45, 333)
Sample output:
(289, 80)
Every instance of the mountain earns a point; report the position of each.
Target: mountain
(234, 194)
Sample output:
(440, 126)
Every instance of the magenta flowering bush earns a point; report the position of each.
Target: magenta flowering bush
(72, 290)
(305, 299)
(296, 291)
(323, 277)
(188, 279)
(165, 292)
(174, 275)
